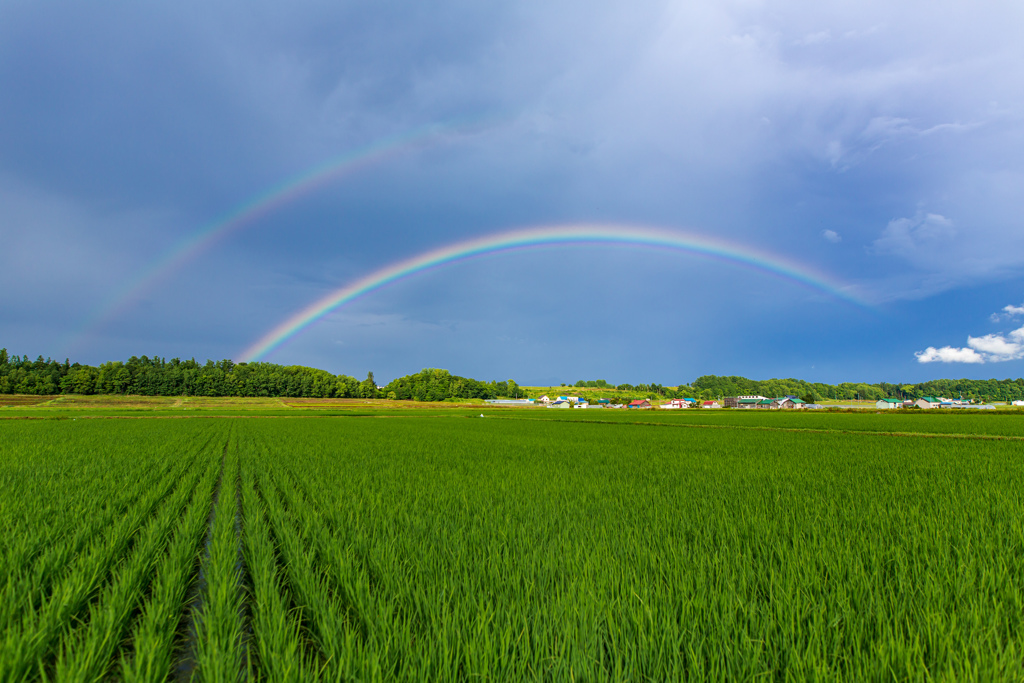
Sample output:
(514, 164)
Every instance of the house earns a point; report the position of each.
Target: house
(746, 402)
(560, 404)
(690, 400)
(889, 403)
(711, 404)
(788, 403)
(926, 402)
(544, 399)
(581, 404)
(676, 403)
(765, 404)
(640, 403)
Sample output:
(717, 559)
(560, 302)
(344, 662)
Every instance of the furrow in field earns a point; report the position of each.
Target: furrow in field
(187, 632)
(217, 651)
(45, 543)
(30, 575)
(280, 646)
(152, 638)
(241, 569)
(86, 653)
(28, 642)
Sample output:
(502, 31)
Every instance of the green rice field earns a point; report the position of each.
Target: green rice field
(375, 544)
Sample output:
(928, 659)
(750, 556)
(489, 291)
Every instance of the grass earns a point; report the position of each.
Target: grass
(430, 544)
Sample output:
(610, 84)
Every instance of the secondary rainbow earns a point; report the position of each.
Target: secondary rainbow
(260, 205)
(548, 236)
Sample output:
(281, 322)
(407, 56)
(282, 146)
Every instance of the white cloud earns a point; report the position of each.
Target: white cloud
(1008, 313)
(996, 347)
(989, 348)
(832, 236)
(948, 354)
(913, 237)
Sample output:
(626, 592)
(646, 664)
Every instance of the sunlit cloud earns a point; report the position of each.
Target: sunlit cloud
(1008, 313)
(988, 348)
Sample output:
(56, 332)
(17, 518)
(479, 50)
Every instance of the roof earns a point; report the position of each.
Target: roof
(639, 401)
(708, 403)
(750, 400)
(766, 402)
(892, 400)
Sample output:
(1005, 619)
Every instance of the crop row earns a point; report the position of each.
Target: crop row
(418, 548)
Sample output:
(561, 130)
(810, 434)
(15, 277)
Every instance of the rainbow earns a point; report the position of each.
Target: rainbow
(541, 237)
(260, 205)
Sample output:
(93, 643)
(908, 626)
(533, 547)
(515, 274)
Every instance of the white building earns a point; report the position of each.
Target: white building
(675, 404)
(889, 403)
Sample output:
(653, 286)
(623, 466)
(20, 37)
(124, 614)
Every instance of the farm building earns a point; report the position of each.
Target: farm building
(560, 404)
(676, 403)
(749, 402)
(640, 403)
(927, 402)
(711, 404)
(889, 403)
(788, 403)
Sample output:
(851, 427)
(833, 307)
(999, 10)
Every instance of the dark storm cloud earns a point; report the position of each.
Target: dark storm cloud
(126, 128)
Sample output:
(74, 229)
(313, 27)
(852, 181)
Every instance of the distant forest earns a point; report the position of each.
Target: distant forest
(156, 376)
(145, 376)
(713, 386)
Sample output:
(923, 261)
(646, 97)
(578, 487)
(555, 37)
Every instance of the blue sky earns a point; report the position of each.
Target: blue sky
(879, 143)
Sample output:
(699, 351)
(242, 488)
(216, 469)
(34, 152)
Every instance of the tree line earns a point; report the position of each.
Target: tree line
(156, 376)
(713, 386)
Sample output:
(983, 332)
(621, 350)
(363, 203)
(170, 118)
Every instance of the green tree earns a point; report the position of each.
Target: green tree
(369, 387)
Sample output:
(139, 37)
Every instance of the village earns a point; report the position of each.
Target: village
(751, 402)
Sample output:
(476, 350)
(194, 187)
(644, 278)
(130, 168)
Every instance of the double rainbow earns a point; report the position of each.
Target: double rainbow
(247, 213)
(559, 235)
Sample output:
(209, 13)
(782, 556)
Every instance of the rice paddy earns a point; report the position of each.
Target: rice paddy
(529, 545)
